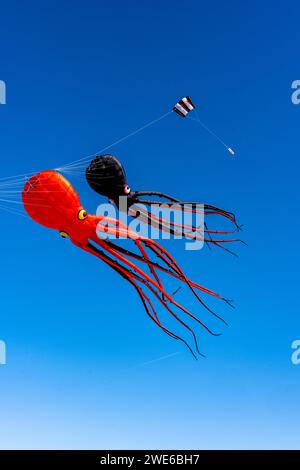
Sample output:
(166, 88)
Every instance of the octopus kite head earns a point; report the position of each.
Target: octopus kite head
(107, 177)
(51, 200)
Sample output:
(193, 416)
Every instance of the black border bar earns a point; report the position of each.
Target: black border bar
(143, 458)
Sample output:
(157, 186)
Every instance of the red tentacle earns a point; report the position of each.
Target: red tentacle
(130, 276)
(162, 291)
(188, 282)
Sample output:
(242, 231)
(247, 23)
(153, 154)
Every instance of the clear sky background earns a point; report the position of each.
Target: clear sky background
(81, 353)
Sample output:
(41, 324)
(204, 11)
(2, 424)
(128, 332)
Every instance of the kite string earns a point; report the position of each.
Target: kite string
(16, 180)
(208, 129)
(13, 211)
(122, 139)
(19, 179)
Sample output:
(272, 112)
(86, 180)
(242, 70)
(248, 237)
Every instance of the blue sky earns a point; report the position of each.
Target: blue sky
(79, 344)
